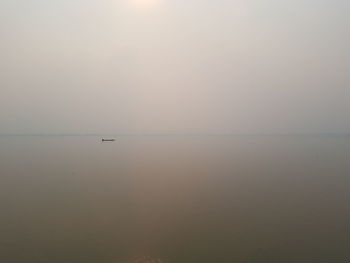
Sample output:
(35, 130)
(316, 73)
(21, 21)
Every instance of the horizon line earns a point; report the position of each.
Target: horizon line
(178, 134)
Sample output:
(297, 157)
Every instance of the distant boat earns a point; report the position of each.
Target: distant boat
(108, 140)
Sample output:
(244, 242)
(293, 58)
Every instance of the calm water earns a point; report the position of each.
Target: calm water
(209, 199)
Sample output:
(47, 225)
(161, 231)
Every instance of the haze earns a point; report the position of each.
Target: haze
(166, 66)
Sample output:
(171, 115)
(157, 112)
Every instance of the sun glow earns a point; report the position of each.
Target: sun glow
(144, 3)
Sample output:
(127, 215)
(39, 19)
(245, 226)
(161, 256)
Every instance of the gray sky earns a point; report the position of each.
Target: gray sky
(160, 66)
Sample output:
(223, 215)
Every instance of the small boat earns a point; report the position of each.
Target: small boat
(108, 140)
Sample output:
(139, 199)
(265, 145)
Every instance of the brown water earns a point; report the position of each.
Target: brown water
(180, 199)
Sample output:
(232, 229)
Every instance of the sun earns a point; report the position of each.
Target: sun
(144, 3)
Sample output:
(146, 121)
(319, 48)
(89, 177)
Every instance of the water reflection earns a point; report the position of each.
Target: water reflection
(239, 199)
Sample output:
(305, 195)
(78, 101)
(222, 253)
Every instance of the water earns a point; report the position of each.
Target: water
(180, 199)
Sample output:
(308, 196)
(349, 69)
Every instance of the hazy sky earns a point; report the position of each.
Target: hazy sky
(159, 66)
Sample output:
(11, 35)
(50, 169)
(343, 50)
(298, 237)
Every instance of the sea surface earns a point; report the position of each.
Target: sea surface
(182, 199)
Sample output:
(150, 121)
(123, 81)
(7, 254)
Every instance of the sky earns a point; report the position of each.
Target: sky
(174, 66)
